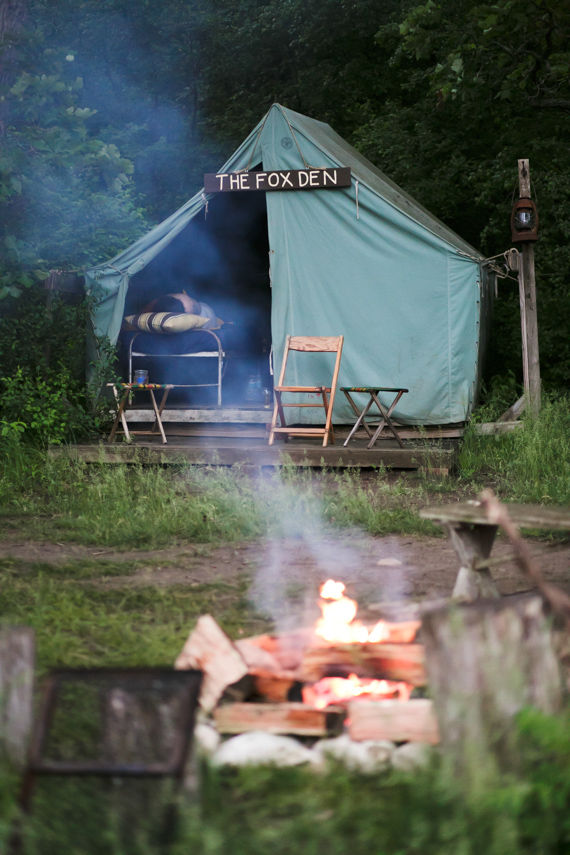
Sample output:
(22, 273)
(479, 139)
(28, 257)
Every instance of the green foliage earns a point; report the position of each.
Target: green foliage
(252, 811)
(65, 196)
(497, 396)
(42, 369)
(43, 407)
(528, 464)
(479, 87)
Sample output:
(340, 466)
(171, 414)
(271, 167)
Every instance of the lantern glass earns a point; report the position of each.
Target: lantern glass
(525, 219)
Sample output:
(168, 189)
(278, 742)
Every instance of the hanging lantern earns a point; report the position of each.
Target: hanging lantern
(524, 220)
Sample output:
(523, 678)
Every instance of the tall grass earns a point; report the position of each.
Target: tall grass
(377, 506)
(529, 464)
(133, 505)
(124, 505)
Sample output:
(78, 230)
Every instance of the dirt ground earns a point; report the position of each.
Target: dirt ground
(388, 569)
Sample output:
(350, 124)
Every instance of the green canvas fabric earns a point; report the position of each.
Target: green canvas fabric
(407, 293)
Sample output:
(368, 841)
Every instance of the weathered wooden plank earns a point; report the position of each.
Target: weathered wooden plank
(515, 411)
(527, 293)
(217, 415)
(399, 721)
(262, 416)
(262, 455)
(494, 428)
(292, 718)
(524, 516)
(17, 657)
(485, 662)
(241, 431)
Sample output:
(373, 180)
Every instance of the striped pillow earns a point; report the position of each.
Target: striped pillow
(165, 322)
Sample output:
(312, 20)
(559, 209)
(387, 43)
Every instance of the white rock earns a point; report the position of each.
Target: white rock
(389, 562)
(259, 748)
(411, 755)
(206, 739)
(372, 755)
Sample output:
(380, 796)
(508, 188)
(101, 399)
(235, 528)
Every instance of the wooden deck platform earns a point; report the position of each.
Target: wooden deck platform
(254, 452)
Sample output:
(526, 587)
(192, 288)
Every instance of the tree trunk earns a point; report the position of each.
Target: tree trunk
(486, 661)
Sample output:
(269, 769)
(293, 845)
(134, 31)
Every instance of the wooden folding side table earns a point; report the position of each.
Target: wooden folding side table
(385, 414)
(121, 400)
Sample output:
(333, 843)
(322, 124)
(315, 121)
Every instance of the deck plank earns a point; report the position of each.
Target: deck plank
(226, 452)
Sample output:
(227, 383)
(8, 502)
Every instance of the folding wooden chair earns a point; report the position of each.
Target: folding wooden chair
(310, 344)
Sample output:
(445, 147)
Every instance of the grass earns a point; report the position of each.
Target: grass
(282, 811)
(528, 464)
(84, 625)
(83, 569)
(79, 621)
(144, 507)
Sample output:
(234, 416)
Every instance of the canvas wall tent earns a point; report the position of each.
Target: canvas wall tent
(411, 297)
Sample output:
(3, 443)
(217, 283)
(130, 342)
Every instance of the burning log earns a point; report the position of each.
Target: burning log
(403, 662)
(398, 721)
(285, 651)
(273, 687)
(285, 718)
(210, 650)
(256, 657)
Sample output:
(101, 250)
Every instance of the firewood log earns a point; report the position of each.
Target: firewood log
(387, 661)
(399, 721)
(209, 649)
(288, 718)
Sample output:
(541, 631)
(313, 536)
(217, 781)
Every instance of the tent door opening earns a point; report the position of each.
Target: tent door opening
(220, 259)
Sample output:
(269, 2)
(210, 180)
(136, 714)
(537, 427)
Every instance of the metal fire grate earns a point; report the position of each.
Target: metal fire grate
(114, 723)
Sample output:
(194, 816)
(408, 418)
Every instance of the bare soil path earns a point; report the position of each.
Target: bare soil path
(375, 568)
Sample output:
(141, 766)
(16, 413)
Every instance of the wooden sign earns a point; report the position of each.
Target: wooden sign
(282, 179)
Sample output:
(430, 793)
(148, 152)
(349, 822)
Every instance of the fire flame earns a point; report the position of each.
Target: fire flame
(333, 690)
(337, 624)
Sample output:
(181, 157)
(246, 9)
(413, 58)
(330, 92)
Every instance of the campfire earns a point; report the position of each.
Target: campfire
(342, 672)
(338, 625)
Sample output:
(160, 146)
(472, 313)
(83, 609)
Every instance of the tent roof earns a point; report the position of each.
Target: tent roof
(325, 138)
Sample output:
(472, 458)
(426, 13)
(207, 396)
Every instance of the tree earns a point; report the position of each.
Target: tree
(13, 14)
(65, 196)
(479, 87)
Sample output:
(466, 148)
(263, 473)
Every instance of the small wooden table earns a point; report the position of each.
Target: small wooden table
(472, 536)
(373, 391)
(126, 389)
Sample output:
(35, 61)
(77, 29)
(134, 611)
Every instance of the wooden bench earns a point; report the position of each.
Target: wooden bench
(473, 535)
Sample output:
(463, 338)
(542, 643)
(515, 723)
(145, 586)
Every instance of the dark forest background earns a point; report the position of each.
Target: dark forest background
(112, 110)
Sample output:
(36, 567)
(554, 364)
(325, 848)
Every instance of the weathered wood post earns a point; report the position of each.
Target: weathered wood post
(16, 692)
(527, 294)
(486, 661)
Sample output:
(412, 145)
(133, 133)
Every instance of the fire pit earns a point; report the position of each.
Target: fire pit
(343, 673)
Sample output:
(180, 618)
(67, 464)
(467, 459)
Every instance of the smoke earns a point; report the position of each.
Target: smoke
(220, 260)
(303, 550)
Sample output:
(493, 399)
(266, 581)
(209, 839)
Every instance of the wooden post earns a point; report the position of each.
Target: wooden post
(529, 324)
(485, 662)
(16, 692)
